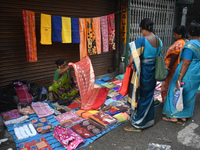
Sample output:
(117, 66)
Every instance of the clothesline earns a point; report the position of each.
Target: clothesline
(67, 16)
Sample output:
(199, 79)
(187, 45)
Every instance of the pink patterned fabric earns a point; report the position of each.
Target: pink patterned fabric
(67, 116)
(11, 114)
(69, 139)
(104, 32)
(111, 31)
(91, 98)
(42, 109)
(23, 95)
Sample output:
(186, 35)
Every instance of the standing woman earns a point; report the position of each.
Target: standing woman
(172, 57)
(143, 83)
(188, 72)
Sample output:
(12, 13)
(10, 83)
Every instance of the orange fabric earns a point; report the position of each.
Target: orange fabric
(91, 40)
(83, 113)
(174, 49)
(97, 32)
(30, 36)
(83, 38)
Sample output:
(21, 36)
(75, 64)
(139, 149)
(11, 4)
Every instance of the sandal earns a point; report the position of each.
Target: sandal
(183, 119)
(127, 128)
(169, 119)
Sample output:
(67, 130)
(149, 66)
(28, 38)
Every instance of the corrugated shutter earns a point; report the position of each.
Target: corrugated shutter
(13, 64)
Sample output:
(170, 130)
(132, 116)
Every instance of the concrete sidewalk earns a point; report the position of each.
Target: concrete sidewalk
(185, 136)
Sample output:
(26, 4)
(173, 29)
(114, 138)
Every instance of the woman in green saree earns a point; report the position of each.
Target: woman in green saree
(63, 86)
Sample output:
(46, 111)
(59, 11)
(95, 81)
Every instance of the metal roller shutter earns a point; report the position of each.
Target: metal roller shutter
(13, 64)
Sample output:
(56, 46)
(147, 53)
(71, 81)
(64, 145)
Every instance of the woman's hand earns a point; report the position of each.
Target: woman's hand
(177, 84)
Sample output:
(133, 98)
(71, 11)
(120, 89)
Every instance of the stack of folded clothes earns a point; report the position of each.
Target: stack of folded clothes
(102, 120)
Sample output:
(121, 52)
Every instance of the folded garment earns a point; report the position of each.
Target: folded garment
(116, 88)
(85, 129)
(102, 120)
(83, 113)
(113, 94)
(17, 120)
(108, 101)
(121, 117)
(39, 144)
(42, 109)
(118, 97)
(112, 111)
(123, 108)
(25, 109)
(42, 125)
(10, 114)
(68, 116)
(24, 130)
(71, 121)
(69, 139)
(111, 85)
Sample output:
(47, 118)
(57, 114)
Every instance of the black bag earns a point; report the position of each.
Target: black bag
(6, 100)
(35, 91)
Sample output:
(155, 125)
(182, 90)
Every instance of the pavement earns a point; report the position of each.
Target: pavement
(180, 136)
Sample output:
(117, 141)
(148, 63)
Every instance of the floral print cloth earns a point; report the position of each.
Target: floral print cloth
(42, 125)
(69, 139)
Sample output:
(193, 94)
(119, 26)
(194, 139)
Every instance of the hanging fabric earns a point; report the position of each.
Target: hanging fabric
(104, 32)
(30, 37)
(97, 31)
(83, 40)
(91, 42)
(45, 29)
(56, 28)
(66, 30)
(75, 30)
(91, 98)
(111, 31)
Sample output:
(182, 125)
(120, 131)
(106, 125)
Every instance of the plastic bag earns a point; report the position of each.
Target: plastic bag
(153, 146)
(178, 98)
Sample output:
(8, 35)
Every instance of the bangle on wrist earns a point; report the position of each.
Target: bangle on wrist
(180, 74)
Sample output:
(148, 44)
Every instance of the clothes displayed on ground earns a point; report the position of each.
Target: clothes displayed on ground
(79, 127)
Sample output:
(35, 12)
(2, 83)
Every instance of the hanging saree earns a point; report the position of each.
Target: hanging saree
(104, 33)
(143, 83)
(91, 40)
(191, 80)
(30, 36)
(111, 31)
(91, 98)
(63, 88)
(83, 41)
(174, 49)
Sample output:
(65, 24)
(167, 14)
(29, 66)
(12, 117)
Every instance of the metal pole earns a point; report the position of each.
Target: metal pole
(128, 33)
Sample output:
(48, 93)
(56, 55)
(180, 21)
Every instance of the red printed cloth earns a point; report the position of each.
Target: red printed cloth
(91, 98)
(111, 31)
(40, 144)
(23, 95)
(42, 109)
(85, 129)
(11, 114)
(30, 36)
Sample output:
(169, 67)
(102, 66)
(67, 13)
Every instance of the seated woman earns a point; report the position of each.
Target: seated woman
(63, 86)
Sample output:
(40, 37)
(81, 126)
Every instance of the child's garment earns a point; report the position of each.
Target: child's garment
(42, 125)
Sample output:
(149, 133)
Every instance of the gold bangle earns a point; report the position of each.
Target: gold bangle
(180, 74)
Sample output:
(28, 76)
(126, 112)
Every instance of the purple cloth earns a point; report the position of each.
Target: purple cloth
(118, 97)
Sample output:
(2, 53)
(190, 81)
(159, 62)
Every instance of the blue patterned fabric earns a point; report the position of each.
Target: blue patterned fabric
(143, 116)
(192, 83)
